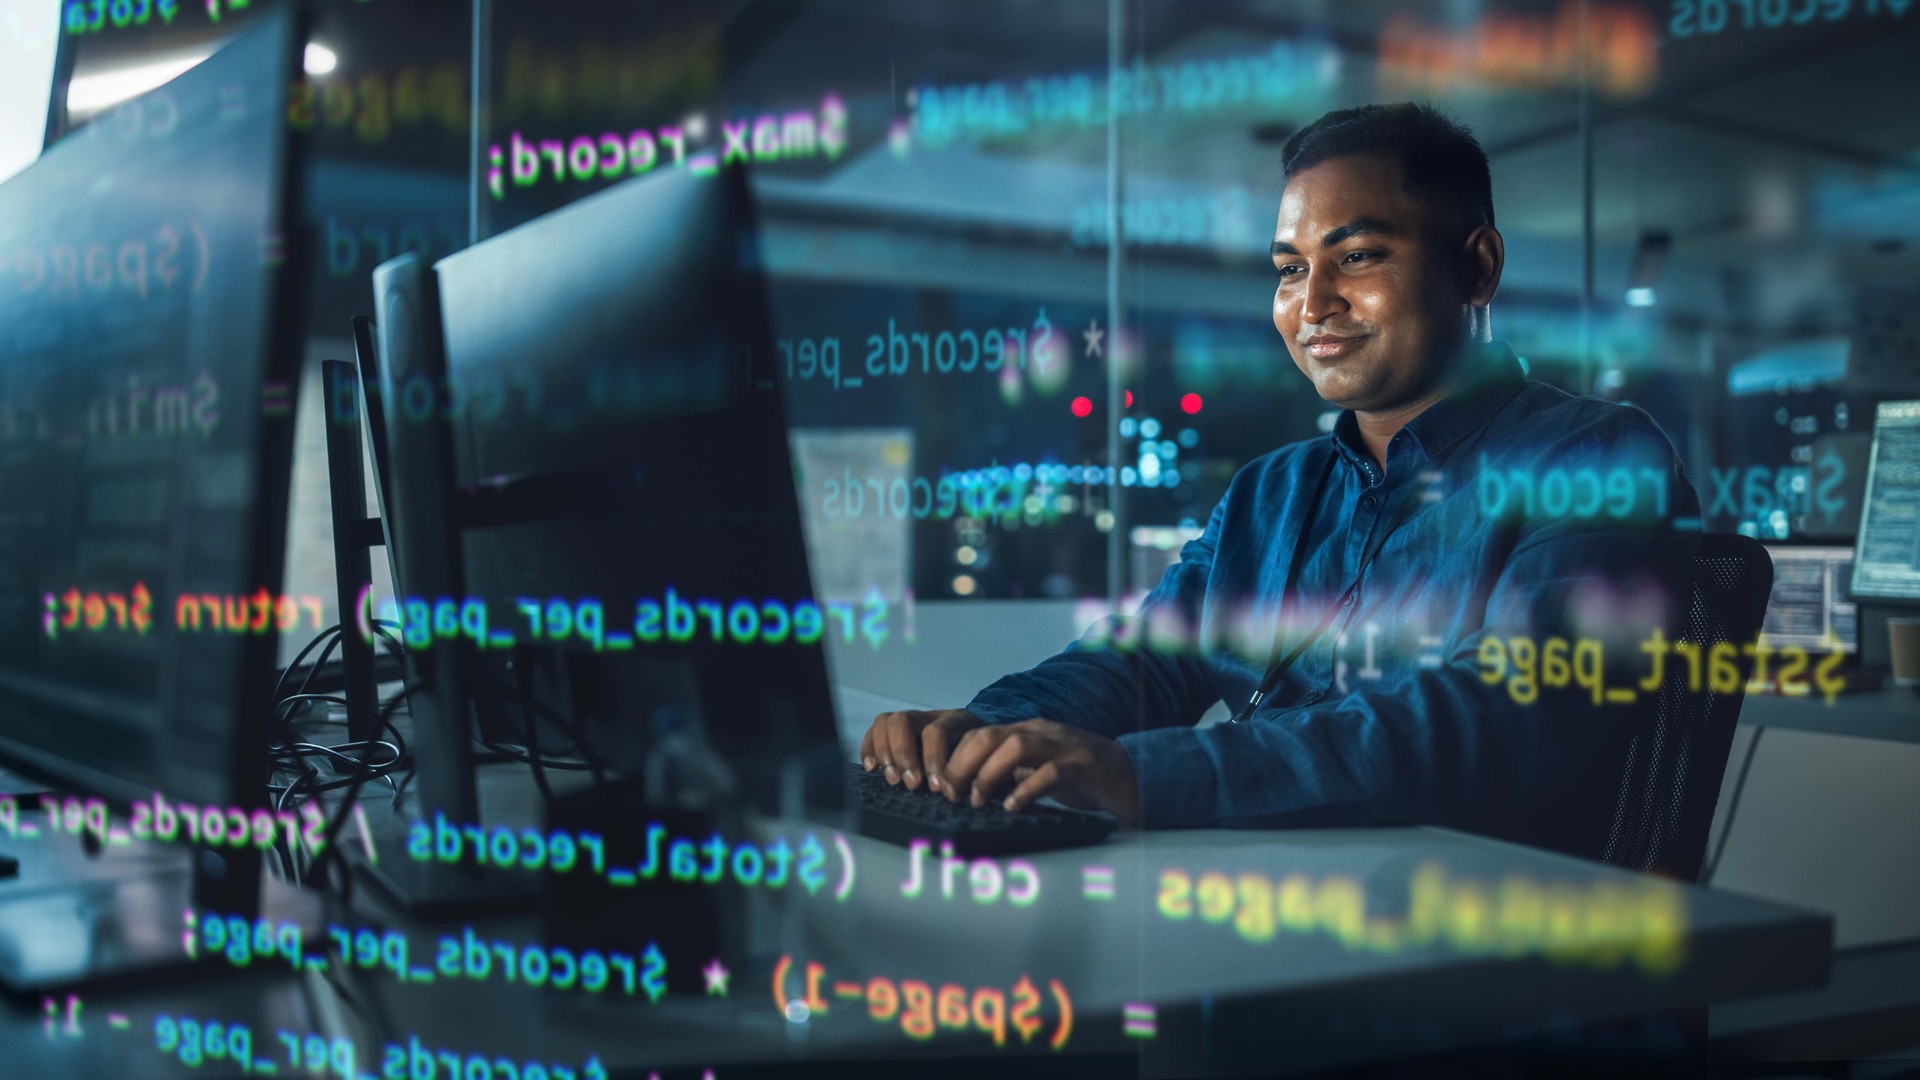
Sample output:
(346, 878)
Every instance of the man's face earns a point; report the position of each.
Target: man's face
(1368, 302)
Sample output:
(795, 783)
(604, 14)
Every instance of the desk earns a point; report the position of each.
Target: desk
(1326, 1004)
(1892, 713)
(1320, 1003)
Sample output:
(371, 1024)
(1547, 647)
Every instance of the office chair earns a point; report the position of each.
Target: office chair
(1674, 765)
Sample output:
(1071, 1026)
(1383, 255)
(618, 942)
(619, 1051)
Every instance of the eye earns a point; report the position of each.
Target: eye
(1352, 255)
(1287, 271)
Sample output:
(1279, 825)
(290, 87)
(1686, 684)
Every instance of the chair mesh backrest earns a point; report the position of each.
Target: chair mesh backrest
(1671, 782)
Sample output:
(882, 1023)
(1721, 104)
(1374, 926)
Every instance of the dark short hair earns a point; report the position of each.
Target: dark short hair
(1443, 162)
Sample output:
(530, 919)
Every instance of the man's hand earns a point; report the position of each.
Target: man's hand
(912, 746)
(1042, 757)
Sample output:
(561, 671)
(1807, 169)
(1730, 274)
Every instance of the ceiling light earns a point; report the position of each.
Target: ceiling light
(320, 60)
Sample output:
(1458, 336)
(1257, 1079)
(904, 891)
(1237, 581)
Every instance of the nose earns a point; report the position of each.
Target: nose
(1321, 298)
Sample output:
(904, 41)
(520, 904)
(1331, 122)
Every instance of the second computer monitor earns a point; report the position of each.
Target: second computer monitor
(1887, 565)
(635, 515)
(1809, 606)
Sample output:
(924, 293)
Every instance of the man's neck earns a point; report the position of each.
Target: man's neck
(1378, 428)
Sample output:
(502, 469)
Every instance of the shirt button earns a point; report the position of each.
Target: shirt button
(1370, 502)
(1310, 698)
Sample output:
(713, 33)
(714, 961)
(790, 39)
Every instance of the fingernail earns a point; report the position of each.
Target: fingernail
(1009, 803)
(978, 799)
(933, 782)
(869, 763)
(892, 777)
(910, 776)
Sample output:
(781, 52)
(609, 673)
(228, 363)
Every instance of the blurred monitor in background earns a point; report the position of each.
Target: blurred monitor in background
(1809, 606)
(1887, 560)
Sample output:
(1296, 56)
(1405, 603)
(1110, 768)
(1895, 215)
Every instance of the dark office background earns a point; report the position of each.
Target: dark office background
(1759, 180)
(1712, 211)
(1751, 167)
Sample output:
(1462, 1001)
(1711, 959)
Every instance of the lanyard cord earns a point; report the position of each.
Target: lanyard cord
(1278, 665)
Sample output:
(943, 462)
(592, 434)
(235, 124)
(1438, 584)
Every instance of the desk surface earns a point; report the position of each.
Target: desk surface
(1340, 973)
(1892, 713)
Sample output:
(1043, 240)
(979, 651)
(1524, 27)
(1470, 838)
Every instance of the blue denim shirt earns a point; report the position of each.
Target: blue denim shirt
(1511, 509)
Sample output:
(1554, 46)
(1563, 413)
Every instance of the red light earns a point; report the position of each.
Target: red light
(1082, 406)
(1129, 399)
(1190, 404)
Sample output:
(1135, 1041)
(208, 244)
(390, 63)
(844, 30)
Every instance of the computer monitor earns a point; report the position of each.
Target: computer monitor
(148, 344)
(1886, 563)
(417, 504)
(35, 60)
(1809, 605)
(617, 421)
(366, 357)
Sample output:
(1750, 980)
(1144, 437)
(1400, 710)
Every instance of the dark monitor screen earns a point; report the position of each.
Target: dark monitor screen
(567, 332)
(145, 415)
(1887, 560)
(610, 376)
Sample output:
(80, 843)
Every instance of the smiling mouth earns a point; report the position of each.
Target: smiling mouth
(1326, 348)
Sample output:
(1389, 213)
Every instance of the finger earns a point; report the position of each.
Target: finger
(996, 773)
(905, 750)
(877, 741)
(968, 755)
(1042, 781)
(933, 754)
(866, 745)
(881, 734)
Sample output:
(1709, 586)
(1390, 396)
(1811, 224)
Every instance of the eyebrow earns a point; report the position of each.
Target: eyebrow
(1365, 226)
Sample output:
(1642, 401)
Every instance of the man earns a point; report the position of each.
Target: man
(1388, 262)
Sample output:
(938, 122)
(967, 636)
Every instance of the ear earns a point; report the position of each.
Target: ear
(1485, 256)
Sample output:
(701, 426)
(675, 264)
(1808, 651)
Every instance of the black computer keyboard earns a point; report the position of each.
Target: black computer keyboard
(900, 816)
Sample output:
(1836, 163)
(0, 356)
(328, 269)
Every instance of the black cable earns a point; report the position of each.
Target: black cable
(323, 635)
(531, 709)
(332, 633)
(532, 759)
(514, 753)
(299, 750)
(331, 785)
(1733, 806)
(331, 699)
(325, 654)
(334, 636)
(293, 753)
(513, 696)
(329, 838)
(380, 626)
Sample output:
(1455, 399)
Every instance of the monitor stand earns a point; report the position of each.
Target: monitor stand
(457, 792)
(439, 711)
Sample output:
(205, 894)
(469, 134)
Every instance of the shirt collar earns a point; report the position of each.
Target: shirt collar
(1493, 383)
